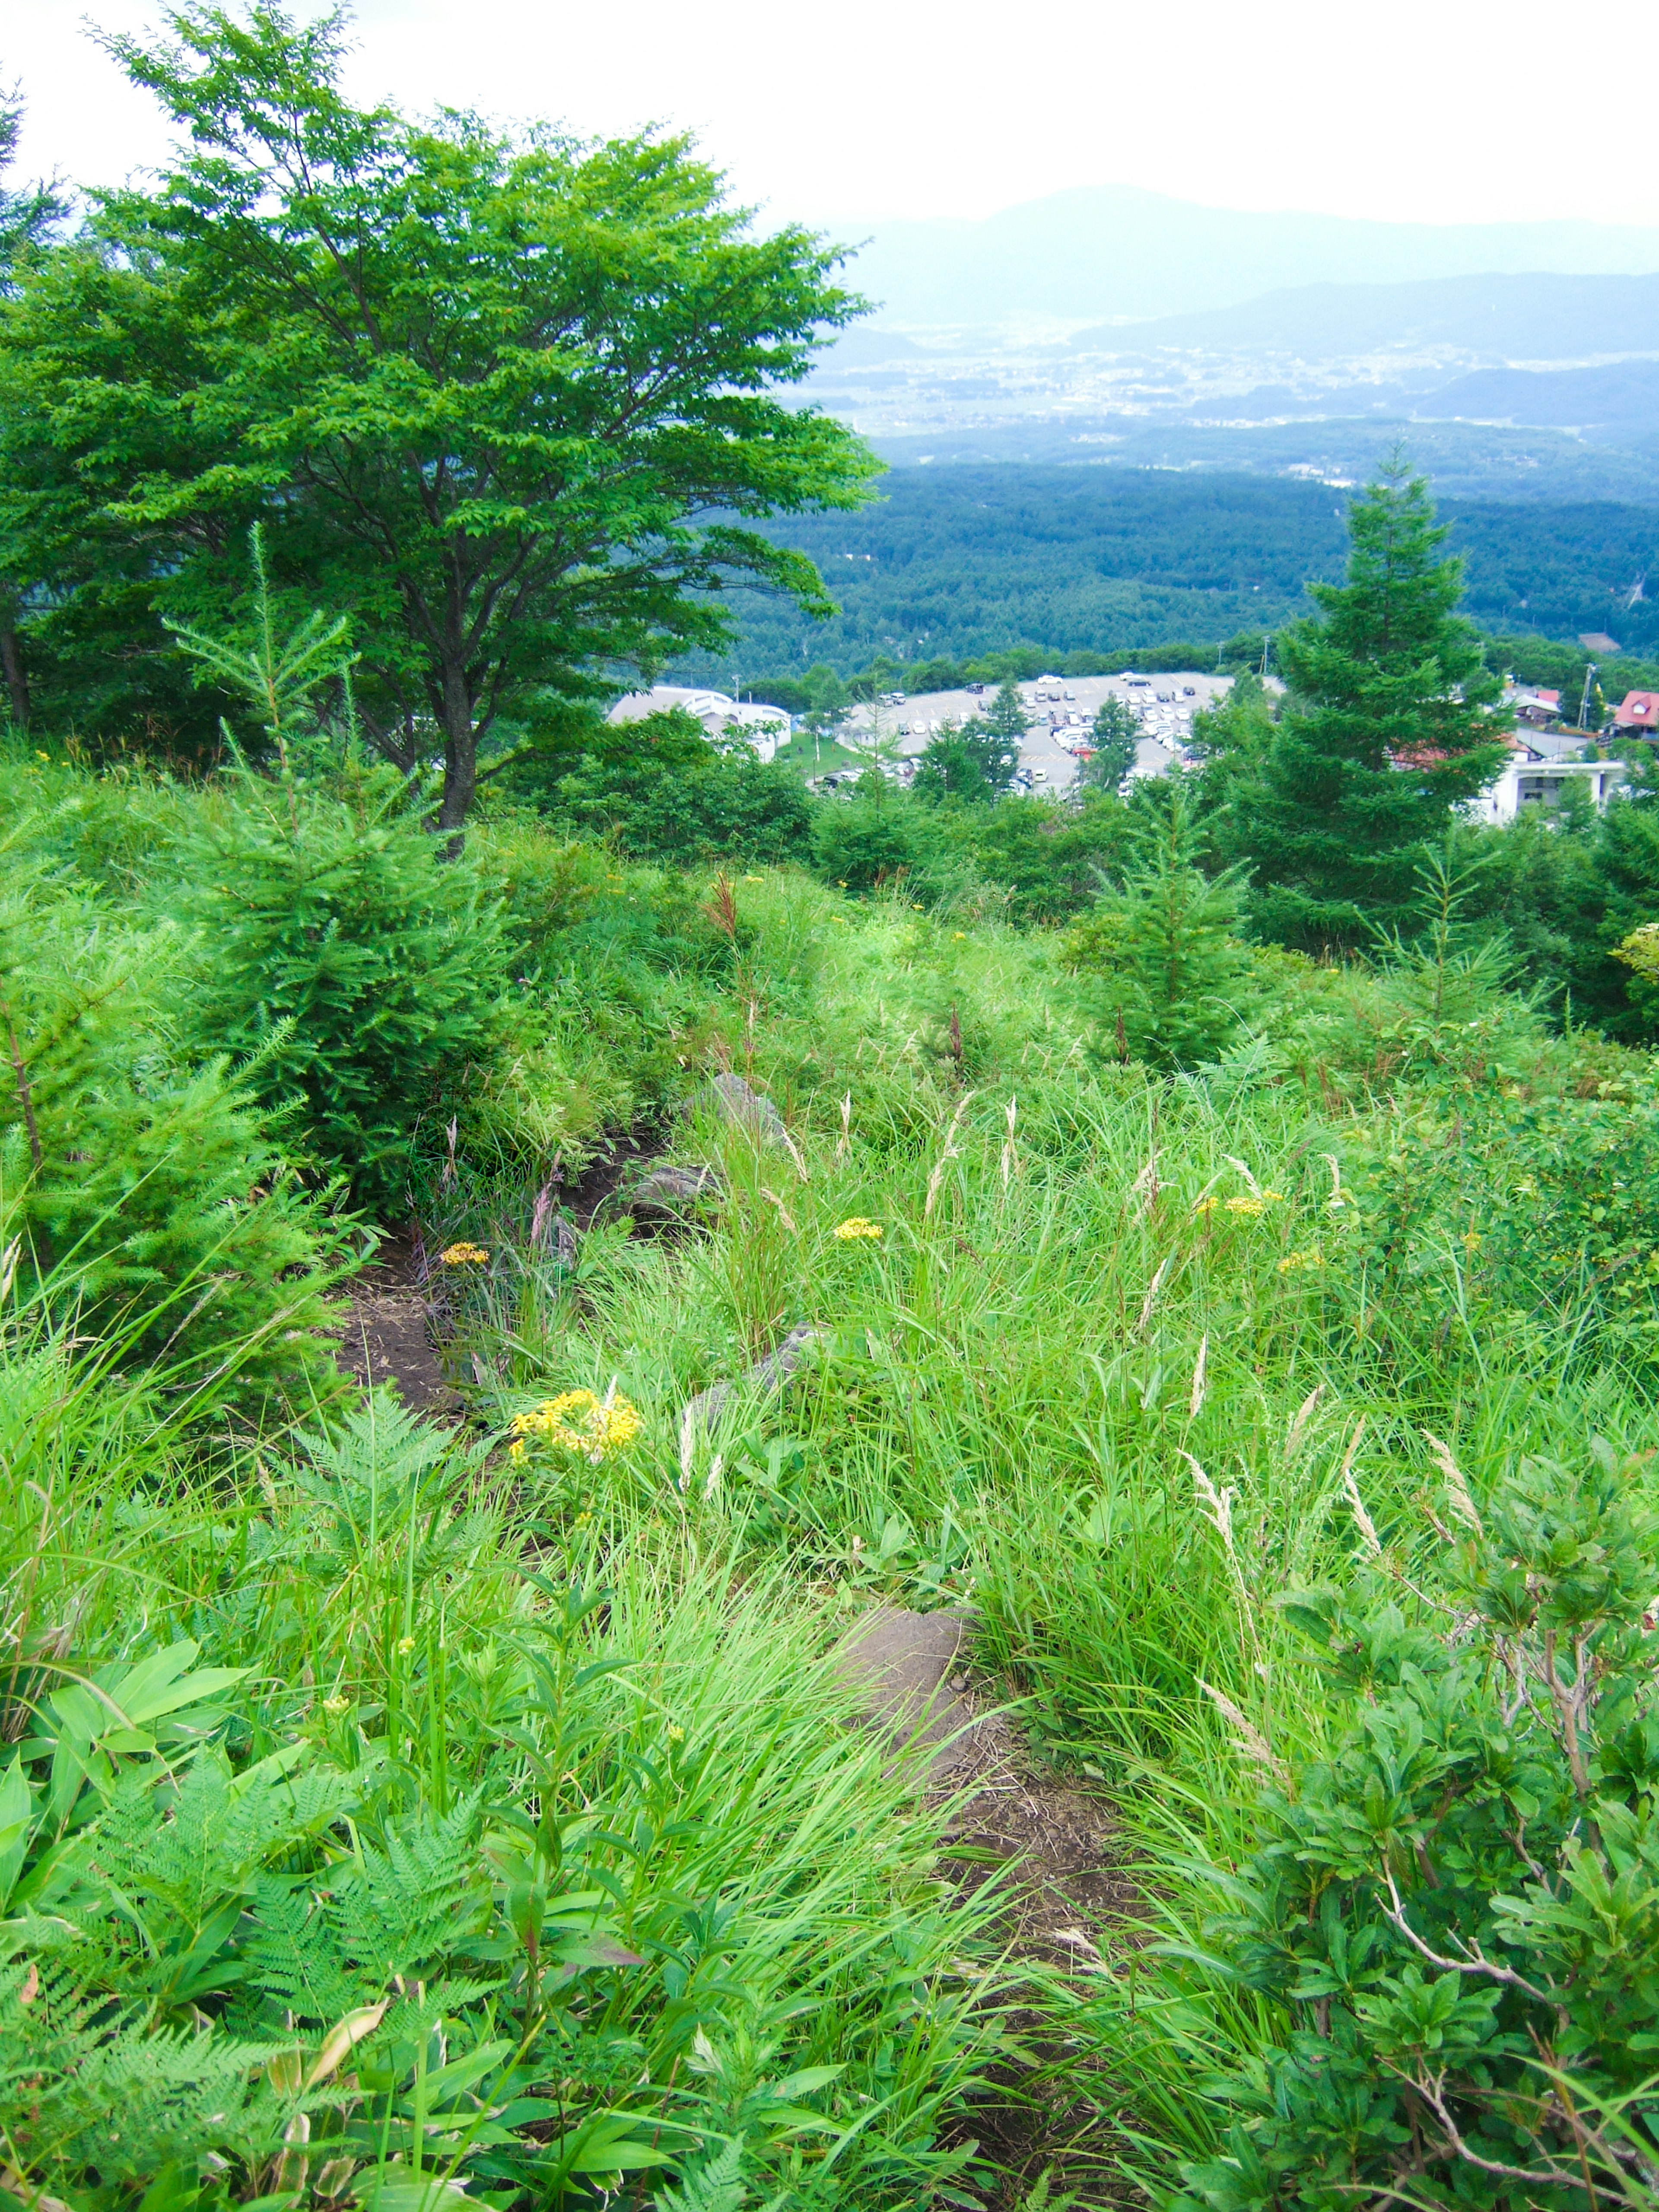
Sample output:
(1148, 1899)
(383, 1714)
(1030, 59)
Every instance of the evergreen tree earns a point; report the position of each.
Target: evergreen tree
(1006, 716)
(1116, 734)
(1387, 728)
(1162, 944)
(972, 761)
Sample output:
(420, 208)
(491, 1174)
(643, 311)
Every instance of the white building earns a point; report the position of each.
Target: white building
(765, 727)
(1526, 782)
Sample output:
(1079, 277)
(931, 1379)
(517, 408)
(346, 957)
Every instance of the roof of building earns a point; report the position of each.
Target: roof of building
(1638, 710)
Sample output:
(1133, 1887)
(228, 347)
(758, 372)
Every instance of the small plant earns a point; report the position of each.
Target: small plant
(1453, 1915)
(1161, 944)
(355, 968)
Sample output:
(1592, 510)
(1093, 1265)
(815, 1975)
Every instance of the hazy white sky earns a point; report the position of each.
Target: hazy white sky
(1422, 110)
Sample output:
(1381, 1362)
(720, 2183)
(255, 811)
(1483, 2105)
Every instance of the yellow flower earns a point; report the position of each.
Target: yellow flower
(405, 1645)
(676, 1733)
(1207, 1205)
(1273, 1198)
(335, 1706)
(850, 1230)
(463, 1255)
(1293, 1261)
(754, 879)
(1250, 1207)
(577, 1421)
(960, 935)
(515, 1450)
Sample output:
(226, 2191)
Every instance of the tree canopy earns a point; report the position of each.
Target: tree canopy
(512, 400)
(1388, 726)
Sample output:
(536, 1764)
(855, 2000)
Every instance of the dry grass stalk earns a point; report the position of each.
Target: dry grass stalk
(844, 1142)
(1152, 1290)
(948, 1154)
(1299, 1420)
(1246, 1736)
(1196, 1407)
(1009, 1156)
(1367, 1526)
(1457, 1490)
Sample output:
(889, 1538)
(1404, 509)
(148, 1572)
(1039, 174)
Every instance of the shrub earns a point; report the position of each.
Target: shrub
(147, 1194)
(716, 803)
(1455, 1914)
(1161, 945)
(357, 971)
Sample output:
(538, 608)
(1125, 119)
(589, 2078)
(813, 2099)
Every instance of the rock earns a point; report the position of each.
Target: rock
(729, 1099)
(898, 1661)
(704, 1412)
(671, 1190)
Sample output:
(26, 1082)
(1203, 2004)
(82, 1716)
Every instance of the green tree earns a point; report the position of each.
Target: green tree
(828, 701)
(1389, 725)
(27, 216)
(1006, 716)
(1161, 943)
(688, 803)
(968, 761)
(484, 387)
(1115, 735)
(355, 972)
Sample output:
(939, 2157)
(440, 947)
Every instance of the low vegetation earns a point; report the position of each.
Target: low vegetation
(1206, 1239)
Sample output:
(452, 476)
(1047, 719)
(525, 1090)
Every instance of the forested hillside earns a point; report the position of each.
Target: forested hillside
(959, 561)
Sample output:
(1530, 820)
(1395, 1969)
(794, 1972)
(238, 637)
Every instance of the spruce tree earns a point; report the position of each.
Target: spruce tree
(1115, 736)
(1006, 716)
(1387, 728)
(1162, 941)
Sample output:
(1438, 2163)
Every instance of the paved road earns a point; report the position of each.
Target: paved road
(1051, 765)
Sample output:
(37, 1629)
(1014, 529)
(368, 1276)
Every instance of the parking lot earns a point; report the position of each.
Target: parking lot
(1045, 759)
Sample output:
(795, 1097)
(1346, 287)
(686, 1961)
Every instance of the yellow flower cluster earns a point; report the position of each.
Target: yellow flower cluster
(1247, 1208)
(1293, 1261)
(577, 1421)
(463, 1255)
(850, 1231)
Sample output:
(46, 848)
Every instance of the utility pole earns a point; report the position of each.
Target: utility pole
(1584, 704)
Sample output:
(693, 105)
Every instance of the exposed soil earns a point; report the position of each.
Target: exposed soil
(604, 1174)
(386, 1337)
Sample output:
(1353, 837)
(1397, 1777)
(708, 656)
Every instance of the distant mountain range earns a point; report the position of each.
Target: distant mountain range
(1530, 317)
(1112, 250)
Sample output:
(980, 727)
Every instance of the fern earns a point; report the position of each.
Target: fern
(713, 2185)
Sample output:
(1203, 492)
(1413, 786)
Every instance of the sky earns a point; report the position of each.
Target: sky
(1436, 110)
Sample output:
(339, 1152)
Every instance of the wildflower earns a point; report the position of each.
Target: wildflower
(577, 1421)
(463, 1255)
(960, 935)
(1206, 1206)
(850, 1230)
(676, 1733)
(335, 1706)
(1294, 1261)
(515, 1450)
(754, 879)
(1248, 1207)
(1471, 1242)
(405, 1645)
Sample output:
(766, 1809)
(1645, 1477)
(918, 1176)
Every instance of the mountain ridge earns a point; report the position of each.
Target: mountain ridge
(1106, 251)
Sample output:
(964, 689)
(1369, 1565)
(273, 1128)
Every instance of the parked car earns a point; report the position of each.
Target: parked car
(1189, 690)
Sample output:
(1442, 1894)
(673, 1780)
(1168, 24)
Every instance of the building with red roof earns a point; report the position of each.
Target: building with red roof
(1638, 711)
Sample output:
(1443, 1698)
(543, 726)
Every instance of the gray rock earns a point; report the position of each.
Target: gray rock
(671, 1190)
(702, 1413)
(898, 1661)
(729, 1099)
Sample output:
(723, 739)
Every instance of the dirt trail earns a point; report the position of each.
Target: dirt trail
(385, 1337)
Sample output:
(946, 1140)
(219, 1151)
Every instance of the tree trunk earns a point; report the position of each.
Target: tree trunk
(460, 759)
(11, 658)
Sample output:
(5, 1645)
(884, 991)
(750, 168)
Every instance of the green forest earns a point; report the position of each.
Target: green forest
(959, 561)
(723, 1498)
